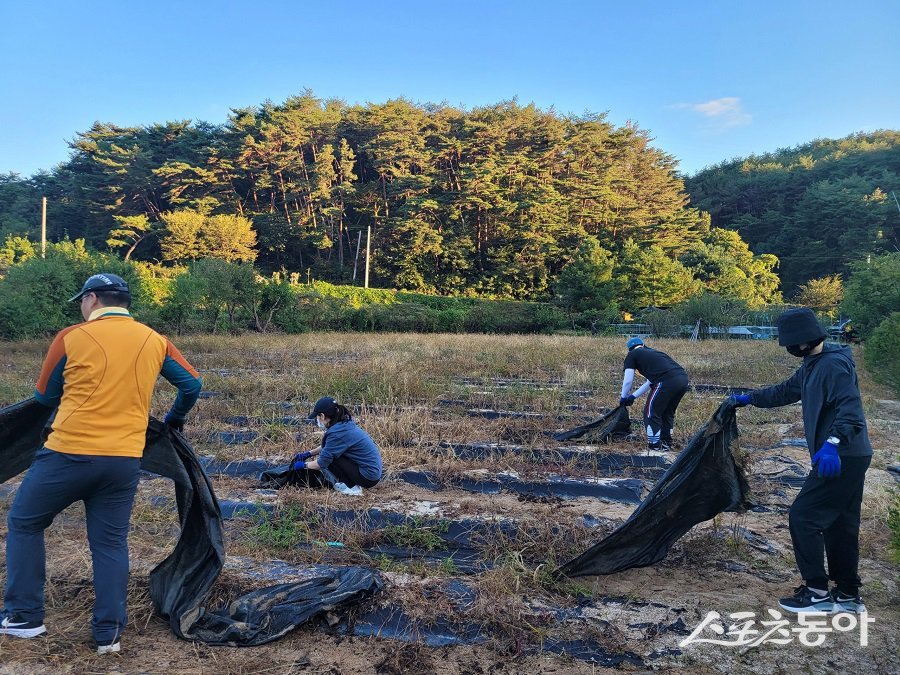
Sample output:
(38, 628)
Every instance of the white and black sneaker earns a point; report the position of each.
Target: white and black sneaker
(109, 647)
(805, 599)
(16, 627)
(844, 602)
(356, 490)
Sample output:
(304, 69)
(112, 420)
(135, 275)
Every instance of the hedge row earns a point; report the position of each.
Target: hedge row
(215, 296)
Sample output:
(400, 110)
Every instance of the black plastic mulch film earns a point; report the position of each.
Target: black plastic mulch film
(615, 423)
(180, 584)
(702, 482)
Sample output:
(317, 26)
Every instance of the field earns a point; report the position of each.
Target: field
(478, 506)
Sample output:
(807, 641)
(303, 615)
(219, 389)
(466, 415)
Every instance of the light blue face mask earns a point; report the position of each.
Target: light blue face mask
(320, 424)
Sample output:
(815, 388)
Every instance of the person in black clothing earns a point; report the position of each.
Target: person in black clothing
(667, 382)
(824, 518)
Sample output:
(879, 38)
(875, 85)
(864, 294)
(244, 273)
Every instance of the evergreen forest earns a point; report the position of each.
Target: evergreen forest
(818, 207)
(492, 202)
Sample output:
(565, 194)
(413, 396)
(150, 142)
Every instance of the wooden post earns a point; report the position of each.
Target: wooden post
(43, 227)
(368, 251)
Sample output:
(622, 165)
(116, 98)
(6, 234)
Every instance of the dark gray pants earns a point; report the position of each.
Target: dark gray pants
(55, 480)
(824, 521)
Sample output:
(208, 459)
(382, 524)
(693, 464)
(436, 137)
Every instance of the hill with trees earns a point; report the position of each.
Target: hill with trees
(817, 207)
(493, 201)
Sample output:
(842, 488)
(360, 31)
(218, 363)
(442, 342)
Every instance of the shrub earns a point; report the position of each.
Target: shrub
(186, 310)
(662, 322)
(34, 299)
(893, 523)
(34, 295)
(710, 310)
(882, 352)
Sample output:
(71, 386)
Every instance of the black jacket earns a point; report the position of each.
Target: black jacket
(832, 406)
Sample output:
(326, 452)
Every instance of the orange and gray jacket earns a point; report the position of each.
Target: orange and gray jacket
(101, 374)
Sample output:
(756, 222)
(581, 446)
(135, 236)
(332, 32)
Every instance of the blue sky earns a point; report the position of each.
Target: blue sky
(711, 80)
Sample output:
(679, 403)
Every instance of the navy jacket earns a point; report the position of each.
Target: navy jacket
(832, 406)
(349, 440)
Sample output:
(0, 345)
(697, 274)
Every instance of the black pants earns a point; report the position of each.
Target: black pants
(824, 521)
(659, 411)
(347, 472)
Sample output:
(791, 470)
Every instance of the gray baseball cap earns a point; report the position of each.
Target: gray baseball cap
(102, 282)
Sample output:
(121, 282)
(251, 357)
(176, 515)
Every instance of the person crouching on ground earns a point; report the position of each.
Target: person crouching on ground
(348, 457)
(667, 382)
(824, 518)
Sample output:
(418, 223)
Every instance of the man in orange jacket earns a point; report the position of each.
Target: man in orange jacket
(101, 375)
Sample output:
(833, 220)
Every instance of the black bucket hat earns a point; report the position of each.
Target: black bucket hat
(798, 326)
(326, 405)
(102, 282)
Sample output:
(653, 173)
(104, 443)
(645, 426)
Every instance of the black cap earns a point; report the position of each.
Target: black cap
(102, 282)
(798, 326)
(326, 405)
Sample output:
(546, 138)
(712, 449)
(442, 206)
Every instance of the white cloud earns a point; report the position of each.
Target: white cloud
(722, 113)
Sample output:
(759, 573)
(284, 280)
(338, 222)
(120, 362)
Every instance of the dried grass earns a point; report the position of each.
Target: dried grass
(394, 383)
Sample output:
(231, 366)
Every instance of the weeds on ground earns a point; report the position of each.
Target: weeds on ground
(416, 533)
(287, 527)
(893, 523)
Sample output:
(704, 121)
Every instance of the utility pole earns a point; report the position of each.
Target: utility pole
(356, 259)
(893, 194)
(368, 251)
(43, 227)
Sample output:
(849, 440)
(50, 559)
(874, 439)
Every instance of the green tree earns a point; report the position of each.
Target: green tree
(649, 277)
(723, 263)
(182, 239)
(15, 250)
(586, 283)
(132, 231)
(872, 292)
(823, 295)
(228, 237)
(191, 235)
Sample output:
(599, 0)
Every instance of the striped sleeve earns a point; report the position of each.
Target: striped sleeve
(49, 388)
(182, 375)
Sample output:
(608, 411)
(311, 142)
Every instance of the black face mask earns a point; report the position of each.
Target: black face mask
(798, 351)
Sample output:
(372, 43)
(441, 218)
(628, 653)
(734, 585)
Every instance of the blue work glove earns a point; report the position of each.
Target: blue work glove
(174, 424)
(828, 460)
(740, 400)
(626, 400)
(299, 461)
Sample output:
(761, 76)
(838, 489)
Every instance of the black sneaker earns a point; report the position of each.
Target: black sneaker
(16, 627)
(805, 600)
(844, 602)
